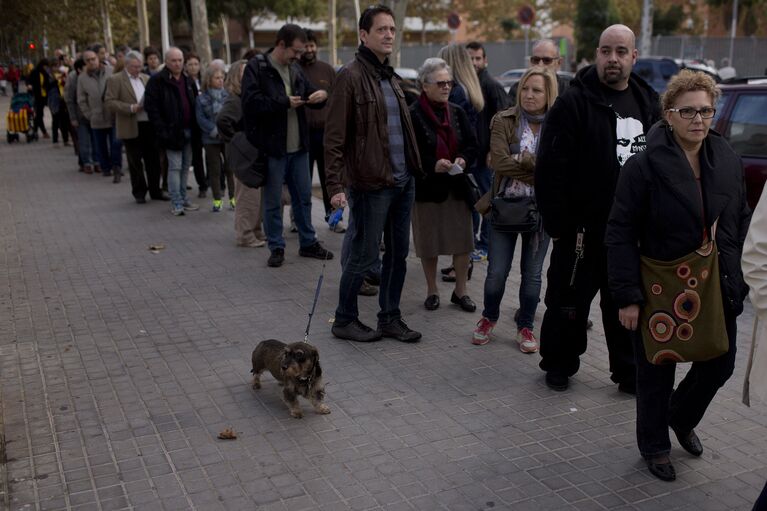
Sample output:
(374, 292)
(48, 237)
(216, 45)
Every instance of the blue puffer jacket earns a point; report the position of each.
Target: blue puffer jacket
(208, 106)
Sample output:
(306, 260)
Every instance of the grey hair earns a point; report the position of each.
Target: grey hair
(541, 42)
(172, 48)
(134, 55)
(431, 65)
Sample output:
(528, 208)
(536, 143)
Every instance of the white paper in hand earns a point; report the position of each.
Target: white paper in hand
(455, 170)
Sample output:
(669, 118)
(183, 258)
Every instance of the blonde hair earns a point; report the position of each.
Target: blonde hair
(549, 81)
(209, 74)
(688, 81)
(233, 81)
(457, 57)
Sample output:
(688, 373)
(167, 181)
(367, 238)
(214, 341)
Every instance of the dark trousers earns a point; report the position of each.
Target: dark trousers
(563, 332)
(659, 406)
(317, 154)
(484, 176)
(60, 124)
(215, 162)
(109, 150)
(198, 163)
(374, 212)
(144, 163)
(761, 502)
(40, 115)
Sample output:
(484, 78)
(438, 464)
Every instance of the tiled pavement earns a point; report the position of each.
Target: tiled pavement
(118, 368)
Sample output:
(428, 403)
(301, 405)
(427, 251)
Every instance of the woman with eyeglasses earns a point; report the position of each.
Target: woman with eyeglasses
(685, 189)
(441, 215)
(514, 134)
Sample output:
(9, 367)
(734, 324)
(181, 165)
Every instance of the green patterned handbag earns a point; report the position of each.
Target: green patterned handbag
(682, 319)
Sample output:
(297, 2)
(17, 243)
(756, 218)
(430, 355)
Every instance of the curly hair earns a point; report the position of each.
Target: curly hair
(689, 81)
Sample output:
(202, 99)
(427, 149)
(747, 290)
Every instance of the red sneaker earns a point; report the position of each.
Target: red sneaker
(527, 341)
(482, 333)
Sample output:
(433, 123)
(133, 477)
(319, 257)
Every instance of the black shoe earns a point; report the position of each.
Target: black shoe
(203, 194)
(447, 271)
(316, 251)
(464, 302)
(431, 303)
(356, 331)
(140, 200)
(557, 382)
(663, 471)
(400, 331)
(367, 289)
(628, 387)
(373, 279)
(277, 258)
(689, 442)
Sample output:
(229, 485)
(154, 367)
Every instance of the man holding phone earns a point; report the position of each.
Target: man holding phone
(274, 95)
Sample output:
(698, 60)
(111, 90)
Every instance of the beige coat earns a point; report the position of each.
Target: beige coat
(90, 97)
(755, 275)
(119, 98)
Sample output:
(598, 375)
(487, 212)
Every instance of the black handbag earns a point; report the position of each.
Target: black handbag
(514, 214)
(473, 193)
(246, 161)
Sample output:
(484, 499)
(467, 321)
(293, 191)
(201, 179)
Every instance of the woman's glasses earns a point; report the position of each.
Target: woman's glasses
(444, 84)
(689, 112)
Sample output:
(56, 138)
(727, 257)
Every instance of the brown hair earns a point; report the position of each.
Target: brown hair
(688, 81)
(233, 82)
(549, 80)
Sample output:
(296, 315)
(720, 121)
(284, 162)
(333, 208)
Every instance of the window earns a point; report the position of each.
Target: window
(644, 69)
(720, 104)
(748, 125)
(668, 69)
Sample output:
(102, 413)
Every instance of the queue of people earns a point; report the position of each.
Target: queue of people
(635, 193)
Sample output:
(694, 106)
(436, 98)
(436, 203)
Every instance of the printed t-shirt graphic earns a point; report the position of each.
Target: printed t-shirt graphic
(629, 131)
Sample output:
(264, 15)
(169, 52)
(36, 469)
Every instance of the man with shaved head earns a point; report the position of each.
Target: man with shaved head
(169, 101)
(589, 133)
(545, 53)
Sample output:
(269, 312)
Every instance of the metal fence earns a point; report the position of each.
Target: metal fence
(749, 53)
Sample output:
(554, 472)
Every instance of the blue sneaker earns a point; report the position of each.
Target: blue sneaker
(479, 255)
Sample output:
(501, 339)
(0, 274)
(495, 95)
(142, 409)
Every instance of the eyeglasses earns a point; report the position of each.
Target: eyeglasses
(546, 60)
(689, 112)
(298, 51)
(444, 84)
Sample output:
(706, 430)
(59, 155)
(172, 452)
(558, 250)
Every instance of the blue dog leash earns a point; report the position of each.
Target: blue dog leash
(316, 298)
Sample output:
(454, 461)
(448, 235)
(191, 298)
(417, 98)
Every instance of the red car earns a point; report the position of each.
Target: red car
(741, 116)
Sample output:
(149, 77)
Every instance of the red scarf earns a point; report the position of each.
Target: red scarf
(447, 145)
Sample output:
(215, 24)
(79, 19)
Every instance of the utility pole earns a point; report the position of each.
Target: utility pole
(332, 32)
(647, 14)
(200, 33)
(164, 27)
(143, 24)
(733, 29)
(225, 27)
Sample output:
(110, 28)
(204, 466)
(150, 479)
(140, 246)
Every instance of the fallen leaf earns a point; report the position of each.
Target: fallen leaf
(228, 434)
(156, 247)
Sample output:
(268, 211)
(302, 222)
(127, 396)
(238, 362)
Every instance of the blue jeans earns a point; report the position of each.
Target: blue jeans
(484, 176)
(293, 170)
(84, 134)
(108, 150)
(178, 171)
(346, 248)
(374, 212)
(499, 257)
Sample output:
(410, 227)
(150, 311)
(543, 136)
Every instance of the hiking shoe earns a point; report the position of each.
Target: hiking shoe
(479, 255)
(276, 258)
(368, 289)
(216, 205)
(316, 251)
(177, 211)
(399, 330)
(232, 203)
(558, 382)
(527, 341)
(188, 206)
(481, 335)
(356, 331)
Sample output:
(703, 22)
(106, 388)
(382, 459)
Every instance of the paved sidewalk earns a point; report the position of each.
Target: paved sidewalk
(119, 367)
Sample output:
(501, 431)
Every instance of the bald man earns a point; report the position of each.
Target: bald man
(593, 128)
(545, 53)
(169, 101)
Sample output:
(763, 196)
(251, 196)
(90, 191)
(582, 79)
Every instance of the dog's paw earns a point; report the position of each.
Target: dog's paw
(256, 384)
(322, 409)
(296, 414)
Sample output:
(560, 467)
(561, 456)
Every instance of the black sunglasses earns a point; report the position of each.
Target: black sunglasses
(442, 84)
(546, 60)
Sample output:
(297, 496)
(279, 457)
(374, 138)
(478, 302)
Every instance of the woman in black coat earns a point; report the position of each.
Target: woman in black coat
(447, 144)
(686, 184)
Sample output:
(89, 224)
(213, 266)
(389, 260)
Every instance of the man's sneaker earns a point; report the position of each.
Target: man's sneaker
(481, 335)
(558, 382)
(188, 206)
(277, 258)
(527, 341)
(479, 255)
(177, 211)
(232, 203)
(216, 205)
(368, 289)
(356, 331)
(316, 251)
(399, 330)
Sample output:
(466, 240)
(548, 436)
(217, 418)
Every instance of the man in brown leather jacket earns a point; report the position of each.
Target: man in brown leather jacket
(371, 155)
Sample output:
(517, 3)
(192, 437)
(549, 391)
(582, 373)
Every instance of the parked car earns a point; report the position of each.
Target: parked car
(656, 71)
(741, 117)
(699, 65)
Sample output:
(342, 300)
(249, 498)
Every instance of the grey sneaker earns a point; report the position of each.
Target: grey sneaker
(356, 331)
(177, 211)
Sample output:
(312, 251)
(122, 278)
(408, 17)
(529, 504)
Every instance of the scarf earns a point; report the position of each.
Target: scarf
(383, 68)
(532, 118)
(218, 96)
(447, 145)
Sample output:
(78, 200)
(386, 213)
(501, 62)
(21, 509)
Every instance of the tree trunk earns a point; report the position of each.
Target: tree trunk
(399, 7)
(143, 24)
(107, 27)
(200, 33)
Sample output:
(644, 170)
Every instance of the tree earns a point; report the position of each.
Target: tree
(399, 7)
(428, 11)
(591, 18)
(200, 31)
(667, 22)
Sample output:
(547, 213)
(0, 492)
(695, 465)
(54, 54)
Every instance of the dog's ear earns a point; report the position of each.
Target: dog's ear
(317, 369)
